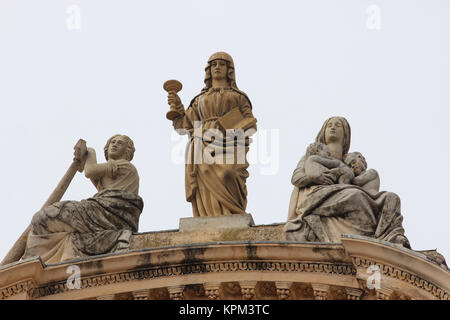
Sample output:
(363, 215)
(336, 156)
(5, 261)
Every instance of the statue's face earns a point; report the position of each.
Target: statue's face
(117, 148)
(324, 153)
(219, 69)
(334, 132)
(357, 166)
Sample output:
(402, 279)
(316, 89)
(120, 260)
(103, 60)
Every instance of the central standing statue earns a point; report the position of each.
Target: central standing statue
(216, 187)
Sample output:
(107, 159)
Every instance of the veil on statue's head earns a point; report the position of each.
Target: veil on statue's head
(347, 133)
(231, 75)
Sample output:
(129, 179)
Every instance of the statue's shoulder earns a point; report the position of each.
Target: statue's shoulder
(125, 165)
(243, 97)
(194, 100)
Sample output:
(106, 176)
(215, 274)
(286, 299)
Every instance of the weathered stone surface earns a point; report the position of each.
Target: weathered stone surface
(18, 249)
(262, 270)
(322, 207)
(104, 223)
(272, 232)
(235, 221)
(216, 164)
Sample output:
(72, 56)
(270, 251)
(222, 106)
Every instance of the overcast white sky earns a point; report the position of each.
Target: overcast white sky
(300, 62)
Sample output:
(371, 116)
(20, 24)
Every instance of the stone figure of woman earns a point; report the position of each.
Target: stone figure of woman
(98, 225)
(321, 209)
(215, 188)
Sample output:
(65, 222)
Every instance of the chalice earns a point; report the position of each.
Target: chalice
(172, 85)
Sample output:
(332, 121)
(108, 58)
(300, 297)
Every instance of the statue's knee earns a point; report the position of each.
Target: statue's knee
(392, 194)
(392, 197)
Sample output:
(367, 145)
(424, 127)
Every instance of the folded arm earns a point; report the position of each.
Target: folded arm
(301, 180)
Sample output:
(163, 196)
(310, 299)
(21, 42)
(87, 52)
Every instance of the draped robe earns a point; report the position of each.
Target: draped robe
(101, 224)
(215, 188)
(322, 213)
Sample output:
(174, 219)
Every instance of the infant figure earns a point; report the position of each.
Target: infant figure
(319, 160)
(369, 180)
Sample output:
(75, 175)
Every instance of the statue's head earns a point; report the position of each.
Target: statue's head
(222, 62)
(335, 130)
(119, 147)
(319, 149)
(356, 161)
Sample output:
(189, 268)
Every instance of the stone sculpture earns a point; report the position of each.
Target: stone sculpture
(319, 160)
(98, 225)
(322, 208)
(219, 121)
(366, 179)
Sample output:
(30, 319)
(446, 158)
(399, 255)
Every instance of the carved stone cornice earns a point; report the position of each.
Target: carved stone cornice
(402, 275)
(26, 286)
(170, 271)
(407, 268)
(272, 263)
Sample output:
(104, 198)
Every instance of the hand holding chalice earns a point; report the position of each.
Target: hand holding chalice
(172, 87)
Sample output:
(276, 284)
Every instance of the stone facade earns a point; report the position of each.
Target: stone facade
(252, 262)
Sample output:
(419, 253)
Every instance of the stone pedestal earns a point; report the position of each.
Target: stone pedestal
(235, 221)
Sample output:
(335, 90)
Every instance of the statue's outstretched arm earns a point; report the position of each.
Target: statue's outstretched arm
(92, 169)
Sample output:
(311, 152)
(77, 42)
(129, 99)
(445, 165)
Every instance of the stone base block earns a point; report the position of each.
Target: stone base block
(236, 221)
